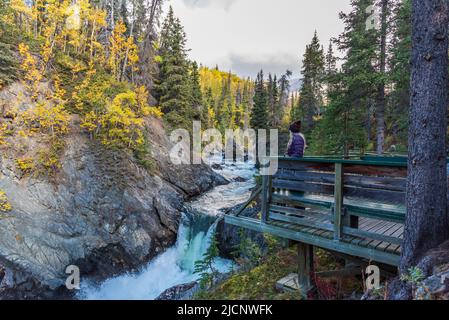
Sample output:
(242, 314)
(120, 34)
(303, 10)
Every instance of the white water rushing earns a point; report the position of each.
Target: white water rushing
(176, 265)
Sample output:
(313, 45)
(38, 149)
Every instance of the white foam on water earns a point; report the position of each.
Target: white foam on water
(177, 264)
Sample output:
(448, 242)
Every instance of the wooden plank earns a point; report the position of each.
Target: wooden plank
(367, 209)
(329, 244)
(372, 170)
(389, 212)
(314, 177)
(316, 214)
(390, 232)
(383, 230)
(400, 159)
(393, 164)
(385, 183)
(301, 221)
(370, 226)
(327, 189)
(338, 201)
(289, 284)
(391, 197)
(303, 201)
(385, 196)
(351, 180)
(250, 200)
(305, 166)
(371, 235)
(399, 233)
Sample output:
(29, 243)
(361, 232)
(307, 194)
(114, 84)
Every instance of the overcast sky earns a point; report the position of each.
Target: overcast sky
(247, 35)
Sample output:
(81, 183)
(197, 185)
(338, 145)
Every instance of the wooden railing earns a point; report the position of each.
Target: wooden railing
(332, 195)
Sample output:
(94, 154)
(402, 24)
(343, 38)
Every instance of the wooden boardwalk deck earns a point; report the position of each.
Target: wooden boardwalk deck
(372, 250)
(355, 208)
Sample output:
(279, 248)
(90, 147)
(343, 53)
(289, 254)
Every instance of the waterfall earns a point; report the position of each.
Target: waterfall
(177, 264)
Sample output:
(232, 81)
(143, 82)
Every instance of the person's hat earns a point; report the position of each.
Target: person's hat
(296, 127)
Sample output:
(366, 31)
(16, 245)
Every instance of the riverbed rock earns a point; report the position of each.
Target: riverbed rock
(102, 211)
(229, 237)
(217, 166)
(178, 292)
(189, 291)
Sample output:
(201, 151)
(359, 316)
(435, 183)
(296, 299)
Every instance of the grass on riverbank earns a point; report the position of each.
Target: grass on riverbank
(259, 283)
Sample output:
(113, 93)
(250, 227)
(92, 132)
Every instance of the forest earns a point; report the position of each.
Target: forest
(356, 100)
(91, 89)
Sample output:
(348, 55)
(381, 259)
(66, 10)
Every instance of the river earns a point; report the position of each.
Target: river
(176, 265)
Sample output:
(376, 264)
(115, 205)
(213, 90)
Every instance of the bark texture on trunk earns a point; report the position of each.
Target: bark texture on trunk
(427, 222)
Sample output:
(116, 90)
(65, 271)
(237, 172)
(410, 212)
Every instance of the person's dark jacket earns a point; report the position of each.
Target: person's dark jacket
(296, 145)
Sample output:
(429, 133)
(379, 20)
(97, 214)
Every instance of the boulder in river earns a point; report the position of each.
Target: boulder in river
(217, 166)
(180, 292)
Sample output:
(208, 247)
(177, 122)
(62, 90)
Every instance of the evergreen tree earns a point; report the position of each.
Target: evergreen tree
(312, 72)
(353, 88)
(208, 115)
(427, 219)
(141, 18)
(284, 91)
(8, 65)
(173, 86)
(397, 109)
(259, 115)
(273, 101)
(205, 267)
(197, 95)
(330, 69)
(148, 16)
(381, 99)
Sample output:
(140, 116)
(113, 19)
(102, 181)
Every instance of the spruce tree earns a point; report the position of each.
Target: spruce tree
(259, 114)
(427, 219)
(174, 83)
(343, 125)
(330, 69)
(196, 95)
(312, 72)
(399, 75)
(381, 99)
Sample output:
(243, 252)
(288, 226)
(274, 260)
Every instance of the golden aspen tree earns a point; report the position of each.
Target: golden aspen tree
(32, 74)
(121, 49)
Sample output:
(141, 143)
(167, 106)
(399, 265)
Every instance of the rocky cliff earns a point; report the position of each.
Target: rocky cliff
(101, 211)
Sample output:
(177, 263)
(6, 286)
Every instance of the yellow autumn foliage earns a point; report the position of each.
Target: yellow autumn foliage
(46, 118)
(124, 51)
(4, 132)
(5, 206)
(25, 164)
(122, 123)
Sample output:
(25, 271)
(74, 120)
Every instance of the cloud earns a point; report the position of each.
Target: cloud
(249, 66)
(225, 4)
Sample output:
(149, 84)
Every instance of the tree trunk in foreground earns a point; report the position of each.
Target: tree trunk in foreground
(427, 222)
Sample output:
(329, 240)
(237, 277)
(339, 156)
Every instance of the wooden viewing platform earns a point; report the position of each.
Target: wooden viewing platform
(352, 207)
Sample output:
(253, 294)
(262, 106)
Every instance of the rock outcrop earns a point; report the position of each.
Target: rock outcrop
(434, 284)
(101, 211)
(229, 237)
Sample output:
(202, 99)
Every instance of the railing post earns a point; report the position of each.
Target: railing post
(265, 186)
(305, 272)
(338, 201)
